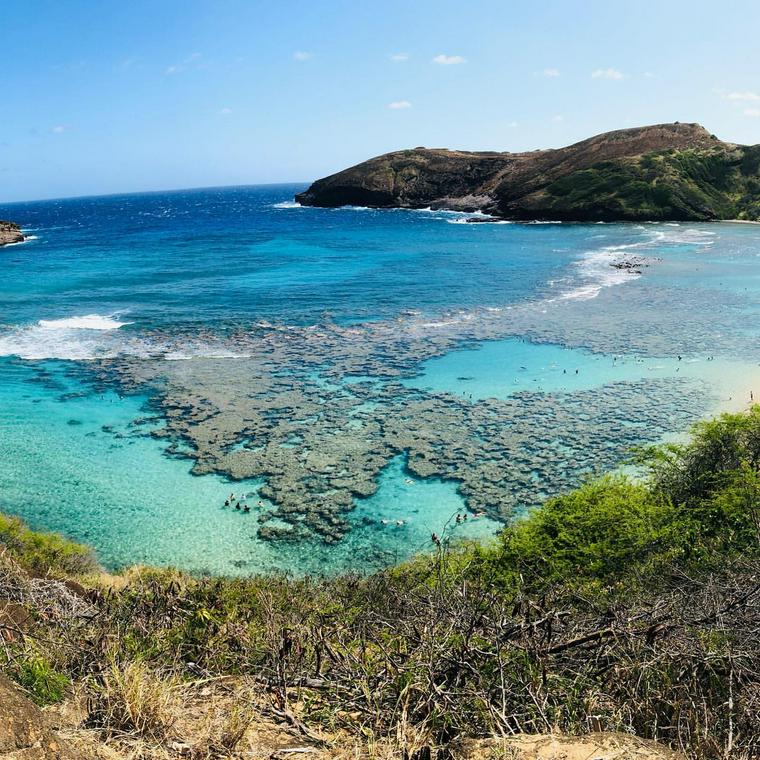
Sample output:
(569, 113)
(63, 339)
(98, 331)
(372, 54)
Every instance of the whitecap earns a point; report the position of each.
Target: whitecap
(86, 322)
(78, 338)
(287, 204)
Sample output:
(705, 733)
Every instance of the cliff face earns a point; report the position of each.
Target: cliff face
(10, 233)
(666, 171)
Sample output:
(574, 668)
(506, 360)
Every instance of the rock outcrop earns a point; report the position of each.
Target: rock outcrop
(24, 731)
(666, 171)
(10, 233)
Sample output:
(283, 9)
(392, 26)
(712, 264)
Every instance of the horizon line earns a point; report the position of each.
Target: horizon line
(149, 192)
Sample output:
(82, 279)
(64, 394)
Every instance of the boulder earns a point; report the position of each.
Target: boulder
(10, 233)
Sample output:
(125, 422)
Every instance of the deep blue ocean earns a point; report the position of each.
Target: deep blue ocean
(135, 275)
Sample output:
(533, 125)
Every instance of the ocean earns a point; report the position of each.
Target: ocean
(353, 379)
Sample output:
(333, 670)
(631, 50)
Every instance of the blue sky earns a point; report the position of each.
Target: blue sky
(112, 96)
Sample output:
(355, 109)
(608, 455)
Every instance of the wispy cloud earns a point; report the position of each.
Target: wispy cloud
(743, 97)
(225, 111)
(551, 72)
(559, 117)
(449, 60)
(399, 57)
(59, 129)
(398, 104)
(753, 112)
(606, 74)
(301, 55)
(511, 124)
(192, 61)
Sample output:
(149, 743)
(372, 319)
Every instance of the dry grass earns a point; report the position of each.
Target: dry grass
(131, 699)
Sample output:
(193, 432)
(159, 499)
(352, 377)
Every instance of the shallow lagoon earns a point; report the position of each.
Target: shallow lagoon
(502, 368)
(72, 460)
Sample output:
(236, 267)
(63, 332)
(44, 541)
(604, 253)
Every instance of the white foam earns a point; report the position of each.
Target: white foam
(87, 337)
(598, 270)
(27, 239)
(466, 220)
(87, 322)
(287, 204)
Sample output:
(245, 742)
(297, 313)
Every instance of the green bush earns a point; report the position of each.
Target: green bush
(46, 553)
(44, 685)
(599, 531)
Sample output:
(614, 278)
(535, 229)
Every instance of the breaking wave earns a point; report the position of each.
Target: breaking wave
(87, 337)
(87, 322)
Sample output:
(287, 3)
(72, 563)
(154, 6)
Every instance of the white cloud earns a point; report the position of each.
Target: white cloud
(398, 104)
(551, 72)
(449, 60)
(59, 129)
(606, 74)
(558, 118)
(225, 111)
(743, 96)
(753, 112)
(511, 124)
(649, 75)
(301, 55)
(174, 68)
(399, 57)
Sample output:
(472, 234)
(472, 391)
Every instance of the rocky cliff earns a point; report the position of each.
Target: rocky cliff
(666, 171)
(10, 233)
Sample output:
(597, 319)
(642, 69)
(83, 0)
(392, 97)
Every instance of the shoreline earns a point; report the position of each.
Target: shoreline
(739, 389)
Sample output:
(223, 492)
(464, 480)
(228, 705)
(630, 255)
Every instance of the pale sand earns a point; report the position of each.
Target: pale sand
(737, 385)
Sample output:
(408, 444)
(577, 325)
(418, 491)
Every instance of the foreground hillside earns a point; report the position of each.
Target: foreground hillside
(631, 608)
(661, 172)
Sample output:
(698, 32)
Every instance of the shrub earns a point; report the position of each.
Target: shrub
(44, 685)
(599, 531)
(45, 553)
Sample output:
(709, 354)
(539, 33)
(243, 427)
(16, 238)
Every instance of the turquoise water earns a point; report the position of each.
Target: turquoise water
(365, 337)
(499, 369)
(74, 461)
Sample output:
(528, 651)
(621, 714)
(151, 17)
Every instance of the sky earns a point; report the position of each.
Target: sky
(110, 96)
